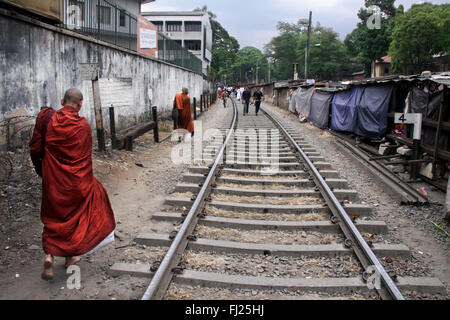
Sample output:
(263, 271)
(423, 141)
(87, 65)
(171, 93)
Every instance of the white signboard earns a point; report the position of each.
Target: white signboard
(89, 71)
(411, 118)
(208, 55)
(148, 39)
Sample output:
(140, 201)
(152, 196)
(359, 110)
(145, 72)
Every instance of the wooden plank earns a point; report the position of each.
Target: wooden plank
(133, 133)
(98, 116)
(443, 154)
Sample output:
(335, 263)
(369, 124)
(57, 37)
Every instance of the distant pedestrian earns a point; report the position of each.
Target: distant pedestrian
(246, 96)
(183, 103)
(225, 96)
(258, 96)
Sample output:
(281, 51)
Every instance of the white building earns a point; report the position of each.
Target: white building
(191, 29)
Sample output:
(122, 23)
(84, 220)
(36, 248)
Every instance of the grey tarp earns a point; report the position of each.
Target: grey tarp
(301, 101)
(343, 108)
(429, 106)
(292, 102)
(320, 109)
(371, 112)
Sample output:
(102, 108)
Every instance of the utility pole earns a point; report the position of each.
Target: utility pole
(257, 71)
(308, 46)
(270, 78)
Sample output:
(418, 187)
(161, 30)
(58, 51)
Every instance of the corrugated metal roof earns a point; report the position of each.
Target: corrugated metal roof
(443, 78)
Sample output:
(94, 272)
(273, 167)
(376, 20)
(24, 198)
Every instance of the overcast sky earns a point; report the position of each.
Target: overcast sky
(253, 22)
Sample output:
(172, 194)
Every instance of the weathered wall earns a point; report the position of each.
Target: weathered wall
(38, 63)
(282, 97)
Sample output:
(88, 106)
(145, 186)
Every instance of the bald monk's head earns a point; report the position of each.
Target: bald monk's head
(73, 98)
(185, 90)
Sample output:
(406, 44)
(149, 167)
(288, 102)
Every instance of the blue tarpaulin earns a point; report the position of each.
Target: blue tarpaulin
(371, 112)
(343, 109)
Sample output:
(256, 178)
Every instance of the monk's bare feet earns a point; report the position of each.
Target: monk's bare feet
(71, 261)
(48, 273)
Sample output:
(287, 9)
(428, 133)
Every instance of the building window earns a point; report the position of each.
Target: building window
(178, 42)
(193, 26)
(194, 45)
(160, 25)
(104, 15)
(174, 26)
(122, 19)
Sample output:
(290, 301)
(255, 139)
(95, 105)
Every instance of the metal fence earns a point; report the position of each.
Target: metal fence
(102, 20)
(172, 52)
(106, 21)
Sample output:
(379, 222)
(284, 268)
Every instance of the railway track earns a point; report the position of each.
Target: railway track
(265, 212)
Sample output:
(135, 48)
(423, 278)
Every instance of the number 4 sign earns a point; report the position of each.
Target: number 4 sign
(411, 118)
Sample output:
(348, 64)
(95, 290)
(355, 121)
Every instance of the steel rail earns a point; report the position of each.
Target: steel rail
(360, 247)
(163, 276)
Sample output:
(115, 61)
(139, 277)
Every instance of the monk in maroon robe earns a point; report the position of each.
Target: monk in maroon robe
(183, 103)
(76, 211)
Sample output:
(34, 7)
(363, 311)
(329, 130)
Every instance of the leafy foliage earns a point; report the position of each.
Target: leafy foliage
(250, 64)
(367, 44)
(328, 54)
(418, 34)
(225, 48)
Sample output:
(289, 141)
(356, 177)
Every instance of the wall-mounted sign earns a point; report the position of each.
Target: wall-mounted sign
(208, 55)
(148, 39)
(89, 71)
(411, 118)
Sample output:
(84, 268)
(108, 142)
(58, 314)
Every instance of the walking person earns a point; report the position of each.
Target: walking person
(183, 103)
(246, 96)
(76, 211)
(225, 96)
(258, 96)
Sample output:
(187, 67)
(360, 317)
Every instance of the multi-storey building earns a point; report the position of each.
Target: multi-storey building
(190, 29)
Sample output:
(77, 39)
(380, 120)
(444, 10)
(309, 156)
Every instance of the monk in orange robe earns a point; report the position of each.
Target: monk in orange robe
(76, 211)
(183, 103)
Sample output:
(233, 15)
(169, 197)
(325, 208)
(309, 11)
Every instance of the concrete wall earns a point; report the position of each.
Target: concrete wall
(38, 63)
(282, 97)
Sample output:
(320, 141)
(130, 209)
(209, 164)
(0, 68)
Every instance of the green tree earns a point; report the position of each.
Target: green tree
(225, 48)
(283, 49)
(420, 33)
(250, 63)
(328, 54)
(367, 44)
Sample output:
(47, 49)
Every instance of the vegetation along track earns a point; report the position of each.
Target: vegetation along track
(242, 226)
